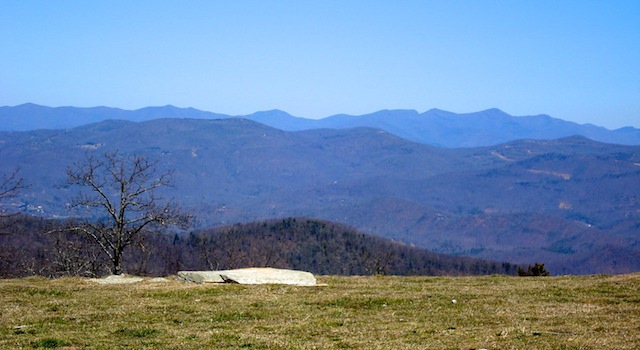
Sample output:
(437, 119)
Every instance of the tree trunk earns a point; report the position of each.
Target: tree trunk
(117, 263)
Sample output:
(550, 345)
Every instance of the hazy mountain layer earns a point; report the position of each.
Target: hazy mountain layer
(434, 127)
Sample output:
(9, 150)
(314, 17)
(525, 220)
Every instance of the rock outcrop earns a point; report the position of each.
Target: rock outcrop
(254, 275)
(118, 279)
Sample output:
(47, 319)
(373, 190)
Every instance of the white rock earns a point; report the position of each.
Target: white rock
(118, 279)
(200, 276)
(256, 275)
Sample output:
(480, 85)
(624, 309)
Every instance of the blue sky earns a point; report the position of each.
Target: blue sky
(574, 60)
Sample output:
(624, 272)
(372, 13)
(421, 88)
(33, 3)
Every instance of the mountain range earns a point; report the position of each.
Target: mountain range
(434, 127)
(571, 203)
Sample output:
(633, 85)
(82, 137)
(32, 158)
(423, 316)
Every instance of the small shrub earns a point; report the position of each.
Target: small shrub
(535, 270)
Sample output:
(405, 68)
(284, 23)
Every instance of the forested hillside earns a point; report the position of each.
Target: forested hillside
(36, 246)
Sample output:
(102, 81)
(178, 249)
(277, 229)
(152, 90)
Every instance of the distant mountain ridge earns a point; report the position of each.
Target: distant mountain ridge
(434, 127)
(571, 203)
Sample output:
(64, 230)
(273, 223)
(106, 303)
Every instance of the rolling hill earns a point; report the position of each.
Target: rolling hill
(41, 246)
(571, 203)
(324, 248)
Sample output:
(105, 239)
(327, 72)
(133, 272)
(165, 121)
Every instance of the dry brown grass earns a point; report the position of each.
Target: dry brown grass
(494, 312)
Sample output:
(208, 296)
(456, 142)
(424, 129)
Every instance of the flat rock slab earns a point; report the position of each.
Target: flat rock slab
(254, 275)
(118, 279)
(200, 276)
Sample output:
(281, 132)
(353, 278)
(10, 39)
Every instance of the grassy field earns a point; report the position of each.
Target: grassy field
(493, 312)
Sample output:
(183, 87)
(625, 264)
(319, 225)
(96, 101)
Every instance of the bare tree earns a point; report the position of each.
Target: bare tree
(72, 255)
(120, 197)
(10, 187)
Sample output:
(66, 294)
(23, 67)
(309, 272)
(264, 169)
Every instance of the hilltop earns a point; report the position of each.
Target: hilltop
(381, 312)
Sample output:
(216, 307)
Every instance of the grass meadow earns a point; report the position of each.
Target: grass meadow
(381, 312)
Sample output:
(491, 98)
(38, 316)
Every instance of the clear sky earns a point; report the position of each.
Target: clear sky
(574, 60)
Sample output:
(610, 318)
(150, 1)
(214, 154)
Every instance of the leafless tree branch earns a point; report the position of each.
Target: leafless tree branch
(10, 187)
(121, 190)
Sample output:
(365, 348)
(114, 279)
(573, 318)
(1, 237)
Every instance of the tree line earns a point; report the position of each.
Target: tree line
(49, 248)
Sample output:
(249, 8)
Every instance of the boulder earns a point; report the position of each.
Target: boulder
(255, 275)
(200, 276)
(118, 279)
